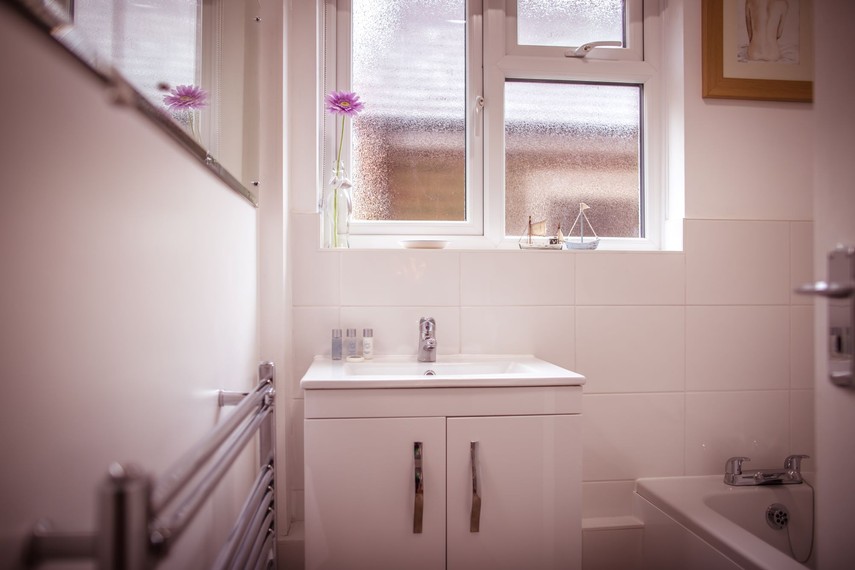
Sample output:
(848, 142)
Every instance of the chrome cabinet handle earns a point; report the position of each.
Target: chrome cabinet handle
(419, 504)
(475, 512)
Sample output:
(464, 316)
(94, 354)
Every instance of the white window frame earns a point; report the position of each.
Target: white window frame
(493, 22)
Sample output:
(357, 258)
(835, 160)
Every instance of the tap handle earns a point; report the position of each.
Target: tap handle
(794, 462)
(733, 465)
(427, 325)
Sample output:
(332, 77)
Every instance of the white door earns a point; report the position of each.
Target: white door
(834, 222)
(529, 484)
(361, 494)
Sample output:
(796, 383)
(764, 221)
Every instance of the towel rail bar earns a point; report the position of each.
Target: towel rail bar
(176, 478)
(137, 526)
(262, 486)
(165, 533)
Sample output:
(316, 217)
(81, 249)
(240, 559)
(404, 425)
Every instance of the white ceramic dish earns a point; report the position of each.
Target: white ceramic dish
(424, 243)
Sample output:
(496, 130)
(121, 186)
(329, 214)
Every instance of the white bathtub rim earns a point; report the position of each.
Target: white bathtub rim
(669, 495)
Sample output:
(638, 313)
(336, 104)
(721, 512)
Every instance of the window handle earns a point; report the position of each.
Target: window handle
(479, 114)
(585, 49)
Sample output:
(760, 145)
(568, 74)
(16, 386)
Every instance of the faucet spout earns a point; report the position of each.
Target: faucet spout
(427, 340)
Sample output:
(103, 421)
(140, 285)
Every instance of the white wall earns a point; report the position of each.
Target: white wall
(834, 202)
(691, 356)
(127, 299)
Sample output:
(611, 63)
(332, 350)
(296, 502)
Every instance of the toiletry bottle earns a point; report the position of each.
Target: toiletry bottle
(368, 344)
(336, 344)
(350, 343)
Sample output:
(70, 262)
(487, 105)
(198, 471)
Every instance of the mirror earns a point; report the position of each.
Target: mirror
(189, 65)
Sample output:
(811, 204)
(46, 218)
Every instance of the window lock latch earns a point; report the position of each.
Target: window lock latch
(585, 49)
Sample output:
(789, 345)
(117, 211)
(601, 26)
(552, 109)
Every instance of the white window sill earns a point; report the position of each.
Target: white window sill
(481, 243)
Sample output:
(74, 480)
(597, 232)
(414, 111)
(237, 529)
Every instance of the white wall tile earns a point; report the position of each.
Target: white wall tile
(631, 349)
(295, 443)
(315, 273)
(607, 498)
(546, 332)
(801, 347)
(612, 549)
(801, 260)
(802, 433)
(737, 348)
(517, 278)
(736, 262)
(298, 504)
(630, 278)
(396, 329)
(400, 278)
(312, 335)
(720, 425)
(626, 436)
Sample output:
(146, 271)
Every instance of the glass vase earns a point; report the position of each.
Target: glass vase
(336, 211)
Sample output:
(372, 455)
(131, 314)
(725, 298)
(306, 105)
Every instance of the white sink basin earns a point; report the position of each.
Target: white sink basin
(457, 370)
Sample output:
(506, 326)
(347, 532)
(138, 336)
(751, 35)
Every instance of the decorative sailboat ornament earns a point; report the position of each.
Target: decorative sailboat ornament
(535, 237)
(581, 220)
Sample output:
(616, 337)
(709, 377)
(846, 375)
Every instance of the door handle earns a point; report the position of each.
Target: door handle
(419, 498)
(825, 289)
(839, 290)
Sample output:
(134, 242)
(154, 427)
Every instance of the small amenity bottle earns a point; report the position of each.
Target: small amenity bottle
(335, 352)
(350, 343)
(368, 344)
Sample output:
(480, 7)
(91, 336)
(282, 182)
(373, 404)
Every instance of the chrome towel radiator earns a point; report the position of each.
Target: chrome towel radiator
(140, 518)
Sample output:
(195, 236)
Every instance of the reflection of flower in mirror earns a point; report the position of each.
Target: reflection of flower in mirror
(186, 97)
(184, 102)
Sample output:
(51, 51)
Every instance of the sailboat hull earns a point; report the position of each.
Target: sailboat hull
(583, 244)
(541, 245)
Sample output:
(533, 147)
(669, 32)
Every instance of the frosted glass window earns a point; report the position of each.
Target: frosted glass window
(569, 22)
(409, 144)
(567, 143)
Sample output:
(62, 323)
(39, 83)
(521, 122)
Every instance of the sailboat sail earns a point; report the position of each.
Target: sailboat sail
(538, 228)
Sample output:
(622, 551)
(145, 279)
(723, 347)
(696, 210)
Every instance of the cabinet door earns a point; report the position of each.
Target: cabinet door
(529, 474)
(361, 494)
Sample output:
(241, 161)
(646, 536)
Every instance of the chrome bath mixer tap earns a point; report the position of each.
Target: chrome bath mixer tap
(791, 474)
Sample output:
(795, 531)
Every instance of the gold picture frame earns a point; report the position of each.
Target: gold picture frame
(727, 75)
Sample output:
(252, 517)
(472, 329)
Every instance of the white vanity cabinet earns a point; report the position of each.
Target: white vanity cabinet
(365, 446)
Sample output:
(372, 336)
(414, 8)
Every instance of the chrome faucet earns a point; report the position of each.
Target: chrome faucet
(791, 474)
(427, 340)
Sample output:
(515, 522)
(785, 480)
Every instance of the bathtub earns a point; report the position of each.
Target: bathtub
(701, 523)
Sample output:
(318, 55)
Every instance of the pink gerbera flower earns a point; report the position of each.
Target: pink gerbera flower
(343, 103)
(186, 98)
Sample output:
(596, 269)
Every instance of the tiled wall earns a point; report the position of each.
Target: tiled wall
(691, 357)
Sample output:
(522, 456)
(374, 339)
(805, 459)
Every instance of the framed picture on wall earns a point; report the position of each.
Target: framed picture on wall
(758, 49)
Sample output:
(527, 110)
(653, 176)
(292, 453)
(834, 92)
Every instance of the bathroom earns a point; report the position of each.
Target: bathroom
(117, 246)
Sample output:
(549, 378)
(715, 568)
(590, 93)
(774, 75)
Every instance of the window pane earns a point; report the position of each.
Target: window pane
(409, 143)
(569, 22)
(567, 143)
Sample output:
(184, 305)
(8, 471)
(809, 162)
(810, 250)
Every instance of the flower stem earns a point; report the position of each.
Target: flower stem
(335, 217)
(340, 143)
